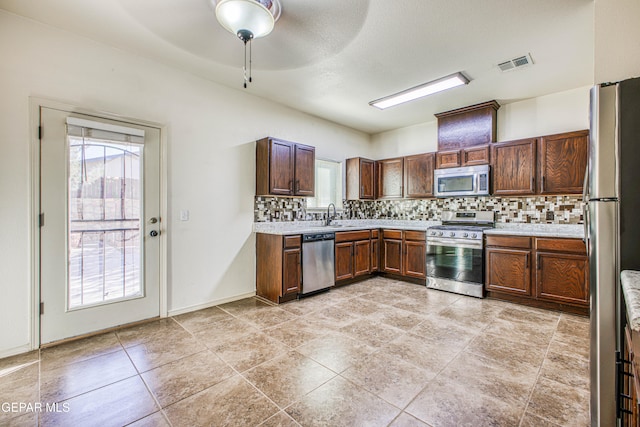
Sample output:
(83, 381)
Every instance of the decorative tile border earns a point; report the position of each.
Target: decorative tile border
(528, 210)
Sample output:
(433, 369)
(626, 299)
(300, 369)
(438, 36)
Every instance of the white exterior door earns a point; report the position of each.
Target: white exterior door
(100, 224)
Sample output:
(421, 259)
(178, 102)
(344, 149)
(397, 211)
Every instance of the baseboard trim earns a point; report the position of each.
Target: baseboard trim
(210, 304)
(15, 351)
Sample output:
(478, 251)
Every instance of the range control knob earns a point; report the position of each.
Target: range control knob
(465, 234)
(452, 234)
(474, 235)
(439, 233)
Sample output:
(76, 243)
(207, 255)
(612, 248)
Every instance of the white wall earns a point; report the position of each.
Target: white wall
(211, 158)
(617, 40)
(544, 115)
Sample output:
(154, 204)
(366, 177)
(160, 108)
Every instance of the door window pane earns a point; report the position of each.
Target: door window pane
(104, 234)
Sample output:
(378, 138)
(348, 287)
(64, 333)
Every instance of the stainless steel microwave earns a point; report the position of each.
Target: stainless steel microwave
(465, 181)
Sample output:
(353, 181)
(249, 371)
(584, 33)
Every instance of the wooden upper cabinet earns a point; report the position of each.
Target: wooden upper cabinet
(514, 167)
(390, 178)
(469, 156)
(304, 172)
(562, 161)
(418, 175)
(474, 156)
(284, 168)
(360, 179)
(448, 159)
(281, 165)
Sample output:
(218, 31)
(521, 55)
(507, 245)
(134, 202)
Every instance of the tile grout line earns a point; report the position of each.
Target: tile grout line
(538, 376)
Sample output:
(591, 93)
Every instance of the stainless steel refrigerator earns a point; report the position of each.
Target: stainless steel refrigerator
(612, 230)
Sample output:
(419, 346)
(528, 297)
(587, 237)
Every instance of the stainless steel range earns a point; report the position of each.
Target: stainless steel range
(455, 259)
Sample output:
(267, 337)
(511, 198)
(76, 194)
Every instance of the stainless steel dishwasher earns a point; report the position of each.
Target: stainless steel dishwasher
(317, 262)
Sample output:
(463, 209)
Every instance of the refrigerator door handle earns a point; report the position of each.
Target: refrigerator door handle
(585, 208)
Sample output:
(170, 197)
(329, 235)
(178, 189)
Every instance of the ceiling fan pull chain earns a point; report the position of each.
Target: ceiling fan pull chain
(244, 68)
(250, 55)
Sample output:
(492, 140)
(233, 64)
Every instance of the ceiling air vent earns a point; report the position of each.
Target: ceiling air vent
(512, 64)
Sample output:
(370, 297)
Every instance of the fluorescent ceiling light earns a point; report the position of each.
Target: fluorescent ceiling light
(444, 83)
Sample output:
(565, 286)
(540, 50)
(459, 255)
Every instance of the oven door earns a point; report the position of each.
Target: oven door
(455, 260)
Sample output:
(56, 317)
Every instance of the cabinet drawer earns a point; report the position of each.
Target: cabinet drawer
(419, 236)
(375, 233)
(392, 234)
(292, 241)
(509, 241)
(348, 236)
(561, 245)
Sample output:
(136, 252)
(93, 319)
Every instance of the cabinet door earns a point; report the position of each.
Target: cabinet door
(362, 257)
(291, 270)
(344, 260)
(562, 161)
(375, 254)
(562, 278)
(473, 156)
(367, 179)
(281, 165)
(415, 259)
(390, 177)
(508, 270)
(448, 159)
(392, 256)
(418, 175)
(305, 170)
(514, 167)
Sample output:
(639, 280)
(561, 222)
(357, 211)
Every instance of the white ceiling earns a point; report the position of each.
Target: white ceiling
(330, 58)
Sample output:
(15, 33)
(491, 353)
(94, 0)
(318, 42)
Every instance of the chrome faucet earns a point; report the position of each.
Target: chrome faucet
(329, 218)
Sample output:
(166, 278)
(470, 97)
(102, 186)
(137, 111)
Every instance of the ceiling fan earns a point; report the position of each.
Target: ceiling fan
(306, 31)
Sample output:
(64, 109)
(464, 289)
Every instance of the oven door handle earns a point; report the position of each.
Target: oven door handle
(442, 241)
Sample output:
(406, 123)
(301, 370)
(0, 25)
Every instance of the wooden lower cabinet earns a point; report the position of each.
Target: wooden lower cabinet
(391, 257)
(278, 266)
(508, 270)
(562, 277)
(375, 251)
(361, 257)
(292, 261)
(415, 254)
(353, 254)
(630, 381)
(344, 260)
(540, 271)
(404, 253)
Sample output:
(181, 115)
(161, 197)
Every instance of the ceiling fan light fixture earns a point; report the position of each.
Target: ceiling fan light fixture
(255, 16)
(425, 89)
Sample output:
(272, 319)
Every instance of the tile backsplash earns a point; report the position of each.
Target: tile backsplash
(531, 209)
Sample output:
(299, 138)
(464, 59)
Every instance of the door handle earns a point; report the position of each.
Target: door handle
(153, 233)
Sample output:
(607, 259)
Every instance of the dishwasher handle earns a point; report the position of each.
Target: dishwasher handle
(318, 237)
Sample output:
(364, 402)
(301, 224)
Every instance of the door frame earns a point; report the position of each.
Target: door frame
(34, 200)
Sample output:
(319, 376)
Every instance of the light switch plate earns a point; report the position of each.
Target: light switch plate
(184, 215)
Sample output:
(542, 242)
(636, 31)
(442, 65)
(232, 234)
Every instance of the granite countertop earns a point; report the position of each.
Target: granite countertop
(630, 281)
(539, 230)
(302, 227)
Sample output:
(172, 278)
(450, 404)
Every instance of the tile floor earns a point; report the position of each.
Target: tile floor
(376, 353)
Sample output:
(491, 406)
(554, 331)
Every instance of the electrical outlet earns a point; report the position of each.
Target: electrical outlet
(550, 216)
